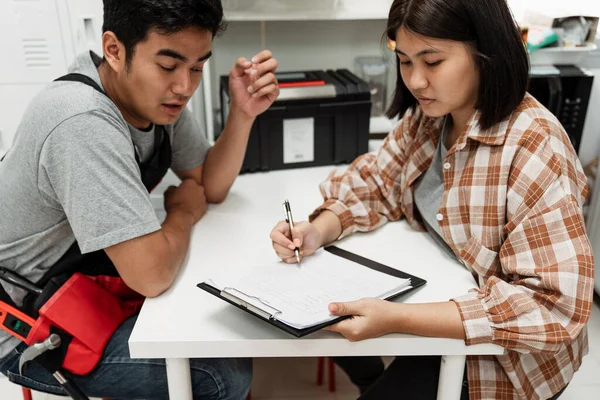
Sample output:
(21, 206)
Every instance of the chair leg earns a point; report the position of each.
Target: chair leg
(320, 370)
(26, 394)
(331, 375)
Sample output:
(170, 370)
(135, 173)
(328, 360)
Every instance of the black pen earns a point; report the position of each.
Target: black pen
(287, 210)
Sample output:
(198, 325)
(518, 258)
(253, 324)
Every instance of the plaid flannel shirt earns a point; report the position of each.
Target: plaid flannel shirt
(512, 213)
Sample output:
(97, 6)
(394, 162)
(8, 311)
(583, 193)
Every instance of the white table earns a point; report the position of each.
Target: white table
(186, 322)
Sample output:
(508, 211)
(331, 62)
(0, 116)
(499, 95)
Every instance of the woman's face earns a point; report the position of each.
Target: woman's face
(441, 74)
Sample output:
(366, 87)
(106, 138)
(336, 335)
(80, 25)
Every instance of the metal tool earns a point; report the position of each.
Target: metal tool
(35, 350)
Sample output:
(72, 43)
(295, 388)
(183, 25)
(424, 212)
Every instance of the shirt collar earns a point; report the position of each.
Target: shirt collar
(494, 136)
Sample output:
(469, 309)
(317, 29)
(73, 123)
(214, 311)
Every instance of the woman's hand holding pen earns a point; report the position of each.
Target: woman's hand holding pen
(307, 236)
(304, 236)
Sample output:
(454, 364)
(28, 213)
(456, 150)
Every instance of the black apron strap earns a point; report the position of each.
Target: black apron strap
(154, 170)
(86, 80)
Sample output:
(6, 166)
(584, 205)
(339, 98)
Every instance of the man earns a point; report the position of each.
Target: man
(76, 181)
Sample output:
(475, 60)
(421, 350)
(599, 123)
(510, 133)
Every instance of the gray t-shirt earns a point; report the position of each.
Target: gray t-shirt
(429, 190)
(71, 175)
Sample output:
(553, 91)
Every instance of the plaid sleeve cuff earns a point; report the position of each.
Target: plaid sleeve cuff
(343, 213)
(474, 317)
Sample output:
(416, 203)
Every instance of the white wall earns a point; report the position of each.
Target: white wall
(297, 45)
(573, 7)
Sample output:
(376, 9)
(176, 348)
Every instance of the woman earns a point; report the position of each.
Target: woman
(491, 174)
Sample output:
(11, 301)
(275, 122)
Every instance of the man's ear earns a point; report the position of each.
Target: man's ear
(114, 51)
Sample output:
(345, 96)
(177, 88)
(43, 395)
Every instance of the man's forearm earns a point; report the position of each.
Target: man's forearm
(225, 158)
(176, 229)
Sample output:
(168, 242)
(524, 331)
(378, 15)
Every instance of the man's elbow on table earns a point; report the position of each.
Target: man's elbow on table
(216, 188)
(147, 264)
(150, 286)
(216, 196)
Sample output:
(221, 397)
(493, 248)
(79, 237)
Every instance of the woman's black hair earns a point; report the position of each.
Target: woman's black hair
(491, 31)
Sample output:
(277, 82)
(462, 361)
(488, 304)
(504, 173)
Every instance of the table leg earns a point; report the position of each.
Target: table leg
(179, 378)
(451, 377)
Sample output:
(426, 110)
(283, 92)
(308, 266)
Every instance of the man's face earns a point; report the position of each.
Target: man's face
(164, 73)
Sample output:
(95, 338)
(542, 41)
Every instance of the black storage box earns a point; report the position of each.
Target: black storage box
(320, 118)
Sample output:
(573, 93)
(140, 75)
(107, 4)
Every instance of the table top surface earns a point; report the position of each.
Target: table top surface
(186, 322)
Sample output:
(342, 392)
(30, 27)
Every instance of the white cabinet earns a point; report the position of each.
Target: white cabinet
(32, 38)
(593, 229)
(33, 45)
(82, 25)
(40, 38)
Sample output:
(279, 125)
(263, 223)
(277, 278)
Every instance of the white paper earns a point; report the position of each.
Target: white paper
(302, 294)
(298, 140)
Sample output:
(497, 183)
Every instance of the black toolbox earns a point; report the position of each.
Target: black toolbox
(319, 118)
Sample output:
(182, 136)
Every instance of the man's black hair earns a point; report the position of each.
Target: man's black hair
(132, 20)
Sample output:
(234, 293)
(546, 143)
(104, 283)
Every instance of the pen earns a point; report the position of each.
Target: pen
(287, 210)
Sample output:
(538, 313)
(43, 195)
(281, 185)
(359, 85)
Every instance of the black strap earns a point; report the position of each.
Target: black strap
(154, 169)
(86, 80)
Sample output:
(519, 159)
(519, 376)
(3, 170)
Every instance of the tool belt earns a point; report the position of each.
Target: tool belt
(83, 310)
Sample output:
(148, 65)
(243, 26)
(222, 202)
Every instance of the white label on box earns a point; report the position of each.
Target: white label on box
(298, 140)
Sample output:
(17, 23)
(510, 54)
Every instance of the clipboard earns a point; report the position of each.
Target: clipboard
(271, 316)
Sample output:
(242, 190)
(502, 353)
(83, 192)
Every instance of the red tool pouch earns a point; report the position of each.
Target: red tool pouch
(90, 309)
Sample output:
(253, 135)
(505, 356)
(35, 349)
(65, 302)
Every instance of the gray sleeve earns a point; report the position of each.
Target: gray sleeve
(189, 143)
(87, 168)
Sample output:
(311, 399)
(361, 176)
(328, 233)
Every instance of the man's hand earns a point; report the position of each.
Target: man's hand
(253, 85)
(188, 197)
(370, 318)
